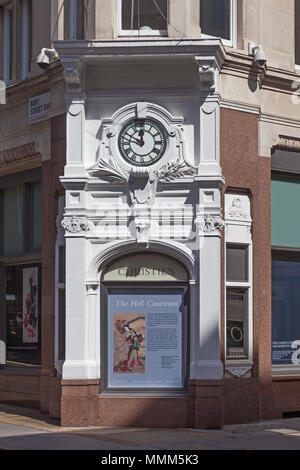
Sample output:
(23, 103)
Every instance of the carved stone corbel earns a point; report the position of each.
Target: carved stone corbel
(72, 74)
(207, 77)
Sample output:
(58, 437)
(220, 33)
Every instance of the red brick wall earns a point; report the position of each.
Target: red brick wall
(244, 170)
(51, 187)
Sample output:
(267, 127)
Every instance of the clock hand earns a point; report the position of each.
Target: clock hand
(141, 134)
(133, 139)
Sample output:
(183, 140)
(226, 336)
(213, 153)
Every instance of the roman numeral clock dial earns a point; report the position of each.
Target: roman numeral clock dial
(142, 142)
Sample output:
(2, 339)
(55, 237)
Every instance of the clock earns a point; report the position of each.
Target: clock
(142, 142)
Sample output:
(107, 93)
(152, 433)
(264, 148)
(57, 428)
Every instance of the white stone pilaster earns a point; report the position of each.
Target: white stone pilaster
(75, 101)
(80, 361)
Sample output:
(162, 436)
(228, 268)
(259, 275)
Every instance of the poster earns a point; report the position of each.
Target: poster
(145, 339)
(129, 343)
(30, 305)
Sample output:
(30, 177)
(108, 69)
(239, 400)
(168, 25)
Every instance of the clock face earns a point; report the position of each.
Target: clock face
(142, 142)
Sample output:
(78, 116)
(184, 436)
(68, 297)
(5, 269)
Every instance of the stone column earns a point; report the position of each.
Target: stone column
(207, 369)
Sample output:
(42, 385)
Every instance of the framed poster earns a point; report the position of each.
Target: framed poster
(30, 305)
(146, 338)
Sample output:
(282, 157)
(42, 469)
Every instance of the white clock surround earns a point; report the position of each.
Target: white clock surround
(113, 209)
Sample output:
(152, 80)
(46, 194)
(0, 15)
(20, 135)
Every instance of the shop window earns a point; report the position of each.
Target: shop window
(239, 285)
(285, 308)
(218, 19)
(285, 227)
(26, 37)
(21, 217)
(297, 32)
(143, 17)
(36, 204)
(13, 221)
(7, 43)
(23, 294)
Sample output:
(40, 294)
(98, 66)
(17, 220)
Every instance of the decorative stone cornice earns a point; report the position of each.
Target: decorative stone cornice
(291, 144)
(95, 51)
(76, 224)
(18, 154)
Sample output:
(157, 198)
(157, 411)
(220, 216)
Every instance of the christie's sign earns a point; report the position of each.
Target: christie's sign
(39, 107)
(146, 267)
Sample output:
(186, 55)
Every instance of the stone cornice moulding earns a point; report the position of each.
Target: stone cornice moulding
(43, 82)
(290, 144)
(19, 154)
(239, 106)
(95, 51)
(240, 63)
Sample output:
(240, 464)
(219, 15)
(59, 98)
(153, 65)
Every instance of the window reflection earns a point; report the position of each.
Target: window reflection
(285, 306)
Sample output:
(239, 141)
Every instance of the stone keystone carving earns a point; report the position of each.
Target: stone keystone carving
(76, 224)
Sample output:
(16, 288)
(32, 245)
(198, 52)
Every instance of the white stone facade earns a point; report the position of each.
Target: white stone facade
(172, 207)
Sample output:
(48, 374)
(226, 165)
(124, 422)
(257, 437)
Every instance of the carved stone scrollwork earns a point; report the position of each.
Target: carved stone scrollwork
(76, 224)
(210, 224)
(173, 170)
(109, 169)
(142, 186)
(239, 371)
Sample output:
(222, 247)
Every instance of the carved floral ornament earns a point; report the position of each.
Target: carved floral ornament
(210, 223)
(76, 224)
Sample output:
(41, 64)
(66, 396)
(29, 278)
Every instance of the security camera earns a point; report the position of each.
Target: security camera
(43, 59)
(259, 56)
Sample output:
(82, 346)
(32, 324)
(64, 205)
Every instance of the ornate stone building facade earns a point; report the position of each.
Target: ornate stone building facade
(145, 276)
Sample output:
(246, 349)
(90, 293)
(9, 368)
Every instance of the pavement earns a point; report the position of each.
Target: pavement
(26, 429)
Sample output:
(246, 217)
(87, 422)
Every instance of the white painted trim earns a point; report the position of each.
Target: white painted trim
(25, 38)
(238, 232)
(7, 43)
(233, 27)
(135, 32)
(286, 369)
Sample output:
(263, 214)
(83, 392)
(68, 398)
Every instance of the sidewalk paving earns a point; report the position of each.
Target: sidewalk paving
(24, 429)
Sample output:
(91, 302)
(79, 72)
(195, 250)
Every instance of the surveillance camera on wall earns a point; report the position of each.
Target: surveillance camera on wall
(43, 59)
(259, 56)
